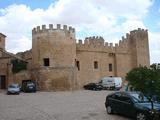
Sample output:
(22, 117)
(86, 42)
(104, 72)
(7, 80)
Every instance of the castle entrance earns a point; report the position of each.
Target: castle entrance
(2, 82)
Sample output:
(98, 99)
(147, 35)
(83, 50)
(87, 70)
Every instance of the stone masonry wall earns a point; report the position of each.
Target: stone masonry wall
(58, 45)
(53, 79)
(130, 52)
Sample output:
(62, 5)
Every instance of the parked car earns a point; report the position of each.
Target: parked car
(112, 83)
(93, 86)
(29, 86)
(132, 104)
(153, 97)
(13, 89)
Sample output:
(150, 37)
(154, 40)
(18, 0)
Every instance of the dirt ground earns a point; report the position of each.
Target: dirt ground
(70, 105)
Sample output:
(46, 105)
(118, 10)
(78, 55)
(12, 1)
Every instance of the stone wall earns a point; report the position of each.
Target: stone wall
(58, 46)
(53, 79)
(130, 52)
(72, 65)
(2, 41)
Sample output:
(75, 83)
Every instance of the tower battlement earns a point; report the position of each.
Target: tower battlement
(95, 40)
(139, 33)
(95, 43)
(43, 28)
(138, 30)
(132, 35)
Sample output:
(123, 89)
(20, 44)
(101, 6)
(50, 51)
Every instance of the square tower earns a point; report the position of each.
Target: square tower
(2, 41)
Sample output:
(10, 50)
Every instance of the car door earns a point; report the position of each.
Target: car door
(116, 102)
(126, 105)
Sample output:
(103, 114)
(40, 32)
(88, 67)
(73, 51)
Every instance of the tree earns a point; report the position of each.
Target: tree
(145, 79)
(18, 65)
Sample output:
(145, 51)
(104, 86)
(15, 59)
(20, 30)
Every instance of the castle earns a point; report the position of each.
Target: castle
(57, 62)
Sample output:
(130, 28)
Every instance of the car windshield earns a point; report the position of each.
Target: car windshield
(30, 84)
(13, 86)
(139, 97)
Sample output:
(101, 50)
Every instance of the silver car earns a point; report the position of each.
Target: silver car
(13, 89)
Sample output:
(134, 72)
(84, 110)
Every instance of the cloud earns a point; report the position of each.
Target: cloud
(23, 44)
(125, 8)
(17, 22)
(154, 42)
(110, 19)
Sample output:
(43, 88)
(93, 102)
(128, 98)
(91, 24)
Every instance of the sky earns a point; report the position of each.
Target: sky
(110, 19)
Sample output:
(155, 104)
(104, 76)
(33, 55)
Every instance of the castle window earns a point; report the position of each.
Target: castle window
(110, 67)
(95, 65)
(111, 54)
(46, 61)
(78, 65)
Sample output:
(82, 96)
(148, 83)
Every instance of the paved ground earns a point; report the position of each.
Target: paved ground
(76, 105)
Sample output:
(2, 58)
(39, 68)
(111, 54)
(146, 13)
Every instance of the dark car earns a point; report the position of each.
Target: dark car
(93, 86)
(29, 86)
(13, 89)
(132, 104)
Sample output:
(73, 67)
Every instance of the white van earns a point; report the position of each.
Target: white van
(111, 82)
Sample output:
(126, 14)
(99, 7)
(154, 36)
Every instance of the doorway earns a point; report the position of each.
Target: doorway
(2, 82)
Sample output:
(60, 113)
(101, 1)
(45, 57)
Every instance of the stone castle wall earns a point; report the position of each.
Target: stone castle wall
(71, 65)
(2, 41)
(130, 52)
(58, 45)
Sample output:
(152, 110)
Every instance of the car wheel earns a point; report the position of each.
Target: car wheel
(109, 110)
(141, 116)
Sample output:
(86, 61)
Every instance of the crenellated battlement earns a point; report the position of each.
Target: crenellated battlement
(97, 43)
(138, 30)
(95, 40)
(132, 35)
(43, 28)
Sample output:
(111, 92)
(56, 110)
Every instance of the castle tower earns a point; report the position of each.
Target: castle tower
(53, 57)
(139, 46)
(2, 41)
(134, 47)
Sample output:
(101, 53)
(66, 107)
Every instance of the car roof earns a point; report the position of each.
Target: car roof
(125, 92)
(14, 84)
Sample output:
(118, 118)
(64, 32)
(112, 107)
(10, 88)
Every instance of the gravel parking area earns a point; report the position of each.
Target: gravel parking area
(72, 105)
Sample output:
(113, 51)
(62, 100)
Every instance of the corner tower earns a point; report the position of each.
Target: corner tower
(54, 54)
(2, 41)
(133, 51)
(139, 47)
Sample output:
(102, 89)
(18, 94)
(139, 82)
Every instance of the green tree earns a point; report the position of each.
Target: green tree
(18, 65)
(145, 80)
